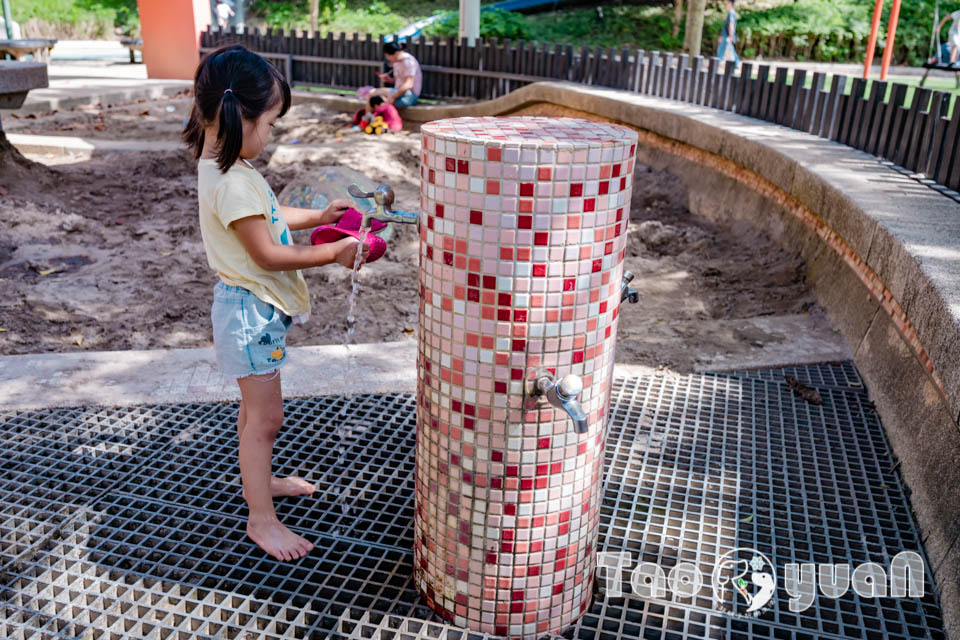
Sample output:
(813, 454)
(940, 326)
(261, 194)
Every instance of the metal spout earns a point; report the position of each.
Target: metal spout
(563, 395)
(627, 293)
(383, 196)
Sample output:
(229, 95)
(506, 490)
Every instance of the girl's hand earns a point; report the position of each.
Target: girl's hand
(336, 209)
(346, 252)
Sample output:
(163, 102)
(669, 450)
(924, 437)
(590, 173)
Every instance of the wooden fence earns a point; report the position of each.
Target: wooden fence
(913, 128)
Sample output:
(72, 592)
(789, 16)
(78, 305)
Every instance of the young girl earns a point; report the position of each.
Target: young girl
(246, 234)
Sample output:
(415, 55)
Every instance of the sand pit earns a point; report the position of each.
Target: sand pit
(105, 254)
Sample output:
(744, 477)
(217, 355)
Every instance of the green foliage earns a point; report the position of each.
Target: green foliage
(829, 30)
(372, 17)
(820, 29)
(126, 16)
(494, 23)
(282, 13)
(629, 26)
(914, 29)
(93, 18)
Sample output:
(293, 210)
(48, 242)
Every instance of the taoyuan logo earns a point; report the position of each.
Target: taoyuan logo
(744, 580)
(743, 575)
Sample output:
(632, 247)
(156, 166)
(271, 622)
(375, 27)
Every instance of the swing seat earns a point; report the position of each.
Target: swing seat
(943, 61)
(942, 64)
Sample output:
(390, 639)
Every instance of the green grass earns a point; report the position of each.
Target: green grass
(935, 83)
(912, 82)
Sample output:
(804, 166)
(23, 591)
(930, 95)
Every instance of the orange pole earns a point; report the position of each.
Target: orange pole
(872, 42)
(891, 34)
(171, 36)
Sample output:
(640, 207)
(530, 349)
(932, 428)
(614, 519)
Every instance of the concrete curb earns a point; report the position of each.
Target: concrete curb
(44, 100)
(122, 378)
(71, 145)
(176, 376)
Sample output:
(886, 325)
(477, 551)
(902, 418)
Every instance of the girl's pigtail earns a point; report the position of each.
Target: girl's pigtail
(194, 132)
(230, 133)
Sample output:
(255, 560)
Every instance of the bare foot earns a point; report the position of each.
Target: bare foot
(291, 486)
(274, 538)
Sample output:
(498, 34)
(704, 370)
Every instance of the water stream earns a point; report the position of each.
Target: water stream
(355, 289)
(344, 431)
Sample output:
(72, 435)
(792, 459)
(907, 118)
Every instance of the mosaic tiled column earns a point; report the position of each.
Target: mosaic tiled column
(522, 240)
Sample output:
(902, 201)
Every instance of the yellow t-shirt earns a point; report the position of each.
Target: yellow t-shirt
(239, 193)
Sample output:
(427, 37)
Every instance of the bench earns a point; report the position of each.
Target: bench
(134, 44)
(17, 79)
(38, 48)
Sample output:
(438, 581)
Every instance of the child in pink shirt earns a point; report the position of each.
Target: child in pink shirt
(377, 107)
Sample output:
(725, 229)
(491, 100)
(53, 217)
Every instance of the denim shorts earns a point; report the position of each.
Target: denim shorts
(249, 335)
(408, 99)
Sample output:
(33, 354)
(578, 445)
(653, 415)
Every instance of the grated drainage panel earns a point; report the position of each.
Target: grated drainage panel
(128, 523)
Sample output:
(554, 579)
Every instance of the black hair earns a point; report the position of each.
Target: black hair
(232, 83)
(376, 101)
(393, 47)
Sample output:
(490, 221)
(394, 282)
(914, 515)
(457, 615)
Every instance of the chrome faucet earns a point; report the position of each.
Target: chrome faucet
(383, 196)
(627, 293)
(562, 394)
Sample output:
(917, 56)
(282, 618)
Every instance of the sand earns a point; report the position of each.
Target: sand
(105, 254)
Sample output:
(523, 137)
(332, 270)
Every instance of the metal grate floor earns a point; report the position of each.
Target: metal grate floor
(128, 523)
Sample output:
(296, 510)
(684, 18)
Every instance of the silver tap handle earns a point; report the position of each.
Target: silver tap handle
(357, 192)
(627, 277)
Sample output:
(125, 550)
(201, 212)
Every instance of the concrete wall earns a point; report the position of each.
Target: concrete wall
(882, 254)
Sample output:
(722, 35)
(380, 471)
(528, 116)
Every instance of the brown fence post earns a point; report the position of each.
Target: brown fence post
(665, 75)
(677, 87)
(939, 130)
(872, 115)
(920, 99)
(741, 103)
(920, 158)
(854, 112)
(651, 73)
(695, 67)
(798, 98)
(811, 119)
(900, 110)
(639, 55)
(950, 143)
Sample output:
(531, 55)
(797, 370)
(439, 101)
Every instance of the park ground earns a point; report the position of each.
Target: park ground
(104, 253)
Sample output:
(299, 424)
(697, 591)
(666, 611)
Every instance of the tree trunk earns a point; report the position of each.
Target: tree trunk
(694, 32)
(677, 16)
(17, 170)
(314, 16)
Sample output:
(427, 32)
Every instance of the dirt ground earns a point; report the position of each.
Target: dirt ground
(105, 254)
